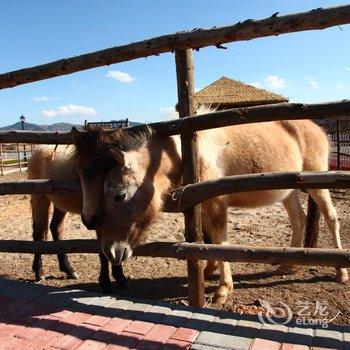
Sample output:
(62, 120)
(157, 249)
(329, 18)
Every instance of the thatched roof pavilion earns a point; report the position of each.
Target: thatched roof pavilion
(227, 93)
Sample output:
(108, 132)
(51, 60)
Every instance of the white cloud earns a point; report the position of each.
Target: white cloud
(44, 98)
(275, 82)
(168, 113)
(120, 76)
(340, 86)
(347, 68)
(257, 85)
(69, 110)
(312, 81)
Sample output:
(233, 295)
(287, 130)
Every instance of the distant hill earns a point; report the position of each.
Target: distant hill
(52, 127)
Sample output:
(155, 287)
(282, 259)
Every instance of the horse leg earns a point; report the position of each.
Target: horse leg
(217, 215)
(323, 200)
(118, 274)
(212, 265)
(103, 279)
(40, 214)
(57, 228)
(297, 219)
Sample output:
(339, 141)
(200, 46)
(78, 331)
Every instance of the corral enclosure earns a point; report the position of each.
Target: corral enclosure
(183, 43)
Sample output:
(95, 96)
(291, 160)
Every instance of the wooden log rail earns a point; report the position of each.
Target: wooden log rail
(195, 39)
(235, 116)
(184, 251)
(187, 196)
(190, 195)
(47, 186)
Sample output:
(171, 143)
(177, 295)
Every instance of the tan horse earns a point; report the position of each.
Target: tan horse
(59, 163)
(137, 170)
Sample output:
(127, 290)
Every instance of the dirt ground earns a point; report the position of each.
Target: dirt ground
(165, 279)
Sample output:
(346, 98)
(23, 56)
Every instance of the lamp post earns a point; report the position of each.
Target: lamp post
(23, 119)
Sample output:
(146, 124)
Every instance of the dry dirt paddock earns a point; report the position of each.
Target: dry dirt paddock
(165, 279)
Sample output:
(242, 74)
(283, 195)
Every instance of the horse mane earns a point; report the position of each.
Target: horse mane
(97, 138)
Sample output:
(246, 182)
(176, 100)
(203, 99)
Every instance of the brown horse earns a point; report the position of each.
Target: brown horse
(137, 170)
(59, 163)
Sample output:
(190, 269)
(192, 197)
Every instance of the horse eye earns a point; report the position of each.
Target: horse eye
(119, 196)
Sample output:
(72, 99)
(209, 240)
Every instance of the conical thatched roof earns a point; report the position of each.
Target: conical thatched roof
(226, 93)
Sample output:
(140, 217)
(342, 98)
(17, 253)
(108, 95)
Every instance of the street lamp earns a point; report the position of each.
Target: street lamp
(23, 119)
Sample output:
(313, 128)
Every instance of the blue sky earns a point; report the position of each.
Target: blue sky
(311, 66)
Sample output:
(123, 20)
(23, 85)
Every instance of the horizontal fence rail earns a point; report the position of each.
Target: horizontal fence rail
(184, 251)
(187, 196)
(235, 116)
(197, 38)
(46, 186)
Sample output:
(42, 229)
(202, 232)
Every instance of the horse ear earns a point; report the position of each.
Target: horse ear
(77, 136)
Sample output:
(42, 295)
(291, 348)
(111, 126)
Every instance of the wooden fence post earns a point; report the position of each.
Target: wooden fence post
(1, 160)
(189, 149)
(312, 223)
(338, 145)
(19, 157)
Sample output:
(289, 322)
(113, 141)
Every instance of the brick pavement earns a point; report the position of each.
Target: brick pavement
(36, 317)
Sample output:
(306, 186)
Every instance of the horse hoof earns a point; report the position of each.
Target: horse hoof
(219, 299)
(220, 296)
(285, 270)
(342, 276)
(39, 278)
(72, 276)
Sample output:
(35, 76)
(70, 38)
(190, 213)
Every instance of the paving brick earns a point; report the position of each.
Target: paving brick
(15, 343)
(33, 331)
(223, 341)
(299, 335)
(185, 334)
(178, 317)
(45, 339)
(158, 336)
(265, 344)
(97, 320)
(10, 330)
(201, 320)
(117, 306)
(224, 324)
(112, 328)
(56, 329)
(174, 344)
(66, 325)
(124, 341)
(273, 332)
(61, 313)
(327, 338)
(76, 337)
(286, 346)
(91, 345)
(138, 310)
(204, 347)
(139, 327)
(157, 313)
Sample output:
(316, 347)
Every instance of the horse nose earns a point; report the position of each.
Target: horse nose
(93, 223)
(117, 252)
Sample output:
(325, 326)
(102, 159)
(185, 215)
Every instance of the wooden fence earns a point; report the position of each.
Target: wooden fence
(183, 43)
(14, 157)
